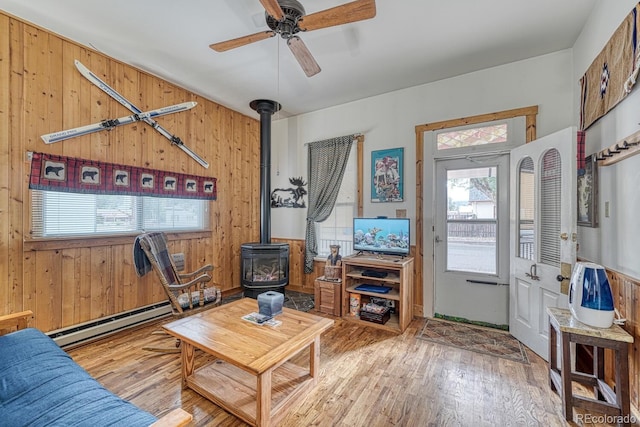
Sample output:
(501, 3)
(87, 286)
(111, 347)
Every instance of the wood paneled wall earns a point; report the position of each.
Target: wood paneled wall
(626, 291)
(298, 281)
(66, 282)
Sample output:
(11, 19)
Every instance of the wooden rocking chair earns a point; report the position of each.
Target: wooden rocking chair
(188, 293)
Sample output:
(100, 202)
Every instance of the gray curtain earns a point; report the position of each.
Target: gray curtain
(326, 161)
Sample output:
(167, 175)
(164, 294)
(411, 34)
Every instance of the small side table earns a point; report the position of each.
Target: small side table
(327, 294)
(606, 401)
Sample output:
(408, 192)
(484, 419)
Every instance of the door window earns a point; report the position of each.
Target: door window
(550, 198)
(526, 210)
(472, 220)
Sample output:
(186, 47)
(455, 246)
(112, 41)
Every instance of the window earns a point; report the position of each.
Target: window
(338, 228)
(487, 137)
(526, 210)
(550, 204)
(472, 136)
(59, 214)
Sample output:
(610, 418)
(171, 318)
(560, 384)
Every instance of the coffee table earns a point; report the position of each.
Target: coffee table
(252, 375)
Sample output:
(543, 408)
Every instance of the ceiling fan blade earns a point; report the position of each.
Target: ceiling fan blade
(354, 11)
(273, 8)
(303, 55)
(241, 41)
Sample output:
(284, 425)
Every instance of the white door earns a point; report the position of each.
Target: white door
(543, 233)
(471, 252)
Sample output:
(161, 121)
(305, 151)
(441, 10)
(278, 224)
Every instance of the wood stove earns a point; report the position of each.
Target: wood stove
(265, 265)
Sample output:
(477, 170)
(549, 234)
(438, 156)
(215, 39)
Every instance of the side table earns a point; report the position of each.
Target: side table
(606, 401)
(327, 294)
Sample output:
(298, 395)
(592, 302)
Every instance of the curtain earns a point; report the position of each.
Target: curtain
(326, 162)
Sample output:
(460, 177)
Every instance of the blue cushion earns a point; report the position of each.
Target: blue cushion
(40, 385)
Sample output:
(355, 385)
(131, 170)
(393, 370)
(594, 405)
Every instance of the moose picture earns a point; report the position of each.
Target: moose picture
(290, 197)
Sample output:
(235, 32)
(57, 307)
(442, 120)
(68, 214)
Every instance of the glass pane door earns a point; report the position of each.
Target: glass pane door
(471, 238)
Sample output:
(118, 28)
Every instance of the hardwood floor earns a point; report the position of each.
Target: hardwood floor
(369, 377)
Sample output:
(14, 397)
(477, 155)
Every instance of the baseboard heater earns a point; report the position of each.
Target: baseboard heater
(99, 328)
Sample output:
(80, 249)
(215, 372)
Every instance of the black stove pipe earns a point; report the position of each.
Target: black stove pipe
(265, 108)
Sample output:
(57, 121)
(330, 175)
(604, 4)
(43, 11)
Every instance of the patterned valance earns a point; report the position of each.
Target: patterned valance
(68, 174)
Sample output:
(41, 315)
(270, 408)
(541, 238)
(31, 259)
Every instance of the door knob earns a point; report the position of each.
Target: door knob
(564, 236)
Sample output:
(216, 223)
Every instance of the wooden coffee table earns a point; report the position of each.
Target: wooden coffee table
(252, 376)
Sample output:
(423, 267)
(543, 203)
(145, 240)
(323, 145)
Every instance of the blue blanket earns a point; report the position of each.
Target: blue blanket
(40, 385)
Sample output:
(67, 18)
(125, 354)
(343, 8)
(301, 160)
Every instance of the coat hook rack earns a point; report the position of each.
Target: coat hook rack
(628, 147)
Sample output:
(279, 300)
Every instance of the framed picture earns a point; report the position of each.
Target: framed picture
(588, 193)
(387, 175)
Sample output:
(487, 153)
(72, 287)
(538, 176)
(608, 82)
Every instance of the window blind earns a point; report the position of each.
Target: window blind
(550, 196)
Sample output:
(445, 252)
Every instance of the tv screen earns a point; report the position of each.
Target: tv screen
(381, 235)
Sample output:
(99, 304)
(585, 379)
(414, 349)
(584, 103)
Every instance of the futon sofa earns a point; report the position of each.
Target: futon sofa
(41, 385)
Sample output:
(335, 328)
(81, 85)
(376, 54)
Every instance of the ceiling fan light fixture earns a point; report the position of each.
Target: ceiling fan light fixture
(287, 25)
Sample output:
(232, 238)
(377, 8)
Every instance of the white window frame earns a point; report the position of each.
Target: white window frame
(328, 231)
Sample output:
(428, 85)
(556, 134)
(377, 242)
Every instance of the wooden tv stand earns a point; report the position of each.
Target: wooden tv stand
(399, 276)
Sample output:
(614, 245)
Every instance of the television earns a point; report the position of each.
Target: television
(381, 235)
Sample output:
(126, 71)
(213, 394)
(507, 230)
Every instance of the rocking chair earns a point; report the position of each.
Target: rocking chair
(188, 293)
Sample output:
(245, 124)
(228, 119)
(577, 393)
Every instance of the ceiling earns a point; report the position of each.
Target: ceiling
(408, 43)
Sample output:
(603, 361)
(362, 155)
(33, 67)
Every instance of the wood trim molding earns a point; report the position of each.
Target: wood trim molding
(360, 175)
(418, 265)
(84, 242)
(528, 112)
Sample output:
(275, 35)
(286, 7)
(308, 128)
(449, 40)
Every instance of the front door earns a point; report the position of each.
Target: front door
(471, 238)
(543, 233)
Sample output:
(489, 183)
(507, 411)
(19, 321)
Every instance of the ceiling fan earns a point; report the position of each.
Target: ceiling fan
(287, 18)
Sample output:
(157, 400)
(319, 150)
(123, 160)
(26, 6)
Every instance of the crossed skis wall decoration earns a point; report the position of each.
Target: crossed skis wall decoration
(138, 115)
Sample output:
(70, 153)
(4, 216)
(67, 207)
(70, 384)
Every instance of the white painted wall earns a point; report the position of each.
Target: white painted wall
(614, 243)
(389, 120)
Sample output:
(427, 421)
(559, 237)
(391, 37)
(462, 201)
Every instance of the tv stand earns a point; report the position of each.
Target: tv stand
(379, 255)
(399, 277)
